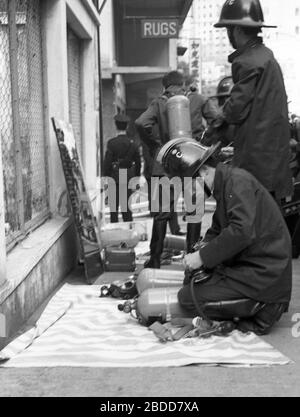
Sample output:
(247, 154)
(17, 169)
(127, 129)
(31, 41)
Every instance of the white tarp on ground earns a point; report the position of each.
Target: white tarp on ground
(79, 329)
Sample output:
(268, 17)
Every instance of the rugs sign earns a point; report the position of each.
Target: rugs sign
(159, 28)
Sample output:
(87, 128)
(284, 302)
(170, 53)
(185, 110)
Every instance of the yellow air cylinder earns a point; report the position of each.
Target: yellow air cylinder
(179, 117)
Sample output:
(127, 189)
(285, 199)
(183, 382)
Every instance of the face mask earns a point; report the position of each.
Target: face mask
(230, 33)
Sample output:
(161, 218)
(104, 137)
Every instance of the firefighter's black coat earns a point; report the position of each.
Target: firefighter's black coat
(258, 109)
(118, 149)
(156, 115)
(248, 243)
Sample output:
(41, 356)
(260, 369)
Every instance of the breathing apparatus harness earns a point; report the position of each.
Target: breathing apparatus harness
(199, 277)
(121, 290)
(201, 326)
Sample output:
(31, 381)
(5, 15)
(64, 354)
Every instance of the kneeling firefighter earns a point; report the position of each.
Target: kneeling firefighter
(247, 254)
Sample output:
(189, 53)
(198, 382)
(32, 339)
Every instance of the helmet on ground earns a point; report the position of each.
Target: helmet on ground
(246, 13)
(184, 157)
(224, 87)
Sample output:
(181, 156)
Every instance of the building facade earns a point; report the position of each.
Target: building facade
(133, 61)
(48, 68)
(209, 47)
(285, 43)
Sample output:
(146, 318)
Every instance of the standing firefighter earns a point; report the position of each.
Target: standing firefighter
(203, 111)
(257, 106)
(122, 154)
(157, 115)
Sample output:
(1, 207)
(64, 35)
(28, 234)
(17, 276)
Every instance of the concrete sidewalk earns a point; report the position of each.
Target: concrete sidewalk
(196, 381)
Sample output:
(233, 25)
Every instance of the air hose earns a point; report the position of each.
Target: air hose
(198, 307)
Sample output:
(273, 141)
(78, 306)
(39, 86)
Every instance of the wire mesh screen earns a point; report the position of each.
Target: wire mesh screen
(6, 124)
(22, 116)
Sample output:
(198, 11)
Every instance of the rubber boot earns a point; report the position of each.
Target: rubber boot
(159, 230)
(263, 321)
(193, 236)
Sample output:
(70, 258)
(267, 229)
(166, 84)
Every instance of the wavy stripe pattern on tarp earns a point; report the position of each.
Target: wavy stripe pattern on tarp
(78, 329)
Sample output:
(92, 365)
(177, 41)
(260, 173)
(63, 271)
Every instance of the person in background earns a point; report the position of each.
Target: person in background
(122, 153)
(156, 117)
(203, 111)
(223, 132)
(224, 90)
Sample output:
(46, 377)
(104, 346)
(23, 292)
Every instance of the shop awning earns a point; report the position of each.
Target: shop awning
(138, 9)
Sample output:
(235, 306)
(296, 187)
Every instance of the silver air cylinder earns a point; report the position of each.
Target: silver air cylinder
(179, 116)
(117, 237)
(158, 278)
(175, 242)
(159, 304)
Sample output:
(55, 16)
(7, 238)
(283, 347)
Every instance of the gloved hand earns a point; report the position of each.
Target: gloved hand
(201, 275)
(193, 261)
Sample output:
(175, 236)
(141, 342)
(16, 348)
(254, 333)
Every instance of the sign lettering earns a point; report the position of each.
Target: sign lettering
(159, 28)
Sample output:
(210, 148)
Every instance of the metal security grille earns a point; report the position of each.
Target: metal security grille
(22, 130)
(74, 76)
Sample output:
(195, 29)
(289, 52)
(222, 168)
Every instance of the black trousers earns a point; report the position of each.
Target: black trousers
(216, 289)
(168, 214)
(161, 217)
(125, 210)
(172, 217)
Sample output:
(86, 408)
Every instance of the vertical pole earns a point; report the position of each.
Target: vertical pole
(173, 59)
(101, 134)
(200, 67)
(46, 119)
(56, 88)
(2, 224)
(13, 42)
